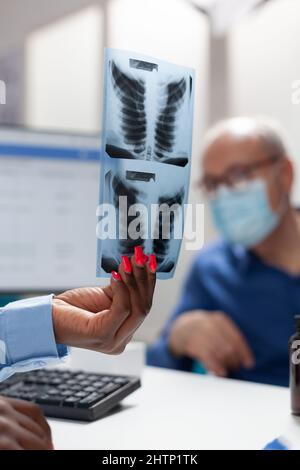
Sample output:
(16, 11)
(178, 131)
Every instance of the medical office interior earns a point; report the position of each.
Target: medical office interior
(246, 56)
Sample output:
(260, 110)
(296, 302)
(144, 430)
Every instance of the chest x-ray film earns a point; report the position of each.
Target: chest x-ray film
(145, 160)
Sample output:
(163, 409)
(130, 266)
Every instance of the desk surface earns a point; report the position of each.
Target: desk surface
(176, 410)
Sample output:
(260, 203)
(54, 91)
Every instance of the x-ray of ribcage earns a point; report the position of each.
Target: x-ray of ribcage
(117, 186)
(149, 116)
(146, 154)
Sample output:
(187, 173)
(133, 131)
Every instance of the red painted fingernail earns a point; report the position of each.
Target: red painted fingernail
(153, 263)
(126, 265)
(146, 258)
(116, 276)
(139, 255)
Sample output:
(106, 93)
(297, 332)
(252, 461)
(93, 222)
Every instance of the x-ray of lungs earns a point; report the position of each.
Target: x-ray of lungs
(145, 159)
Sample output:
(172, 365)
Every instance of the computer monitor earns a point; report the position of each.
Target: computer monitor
(49, 184)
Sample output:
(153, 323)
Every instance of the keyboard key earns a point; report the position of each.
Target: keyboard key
(80, 377)
(25, 388)
(81, 394)
(41, 381)
(90, 389)
(66, 393)
(53, 391)
(30, 396)
(76, 388)
(62, 387)
(75, 373)
(98, 384)
(110, 388)
(93, 378)
(71, 401)
(71, 382)
(106, 379)
(90, 399)
(31, 380)
(66, 376)
(85, 383)
(11, 394)
(49, 400)
(38, 373)
(121, 381)
(56, 381)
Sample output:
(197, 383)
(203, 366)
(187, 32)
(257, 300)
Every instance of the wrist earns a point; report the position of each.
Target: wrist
(57, 321)
(176, 339)
(71, 325)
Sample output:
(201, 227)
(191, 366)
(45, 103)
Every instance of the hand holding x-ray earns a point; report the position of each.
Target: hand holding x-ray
(105, 319)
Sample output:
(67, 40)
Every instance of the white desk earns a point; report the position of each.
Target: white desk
(176, 410)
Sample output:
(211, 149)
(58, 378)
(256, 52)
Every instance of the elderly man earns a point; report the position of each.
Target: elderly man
(238, 304)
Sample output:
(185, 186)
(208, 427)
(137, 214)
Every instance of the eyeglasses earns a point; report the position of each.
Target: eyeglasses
(235, 175)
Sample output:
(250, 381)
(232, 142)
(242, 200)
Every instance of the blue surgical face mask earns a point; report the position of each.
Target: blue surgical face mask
(243, 216)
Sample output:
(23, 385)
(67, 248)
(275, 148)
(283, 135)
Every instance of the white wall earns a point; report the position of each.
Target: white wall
(20, 17)
(63, 73)
(265, 60)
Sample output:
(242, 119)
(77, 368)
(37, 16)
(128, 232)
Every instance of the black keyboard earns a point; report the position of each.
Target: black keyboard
(68, 394)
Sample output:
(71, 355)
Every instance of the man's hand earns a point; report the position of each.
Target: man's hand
(23, 426)
(212, 339)
(105, 319)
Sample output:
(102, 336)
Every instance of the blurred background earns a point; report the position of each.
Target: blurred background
(247, 59)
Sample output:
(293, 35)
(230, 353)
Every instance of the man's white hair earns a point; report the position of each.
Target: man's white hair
(266, 130)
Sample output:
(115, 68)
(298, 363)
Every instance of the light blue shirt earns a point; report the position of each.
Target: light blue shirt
(27, 339)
